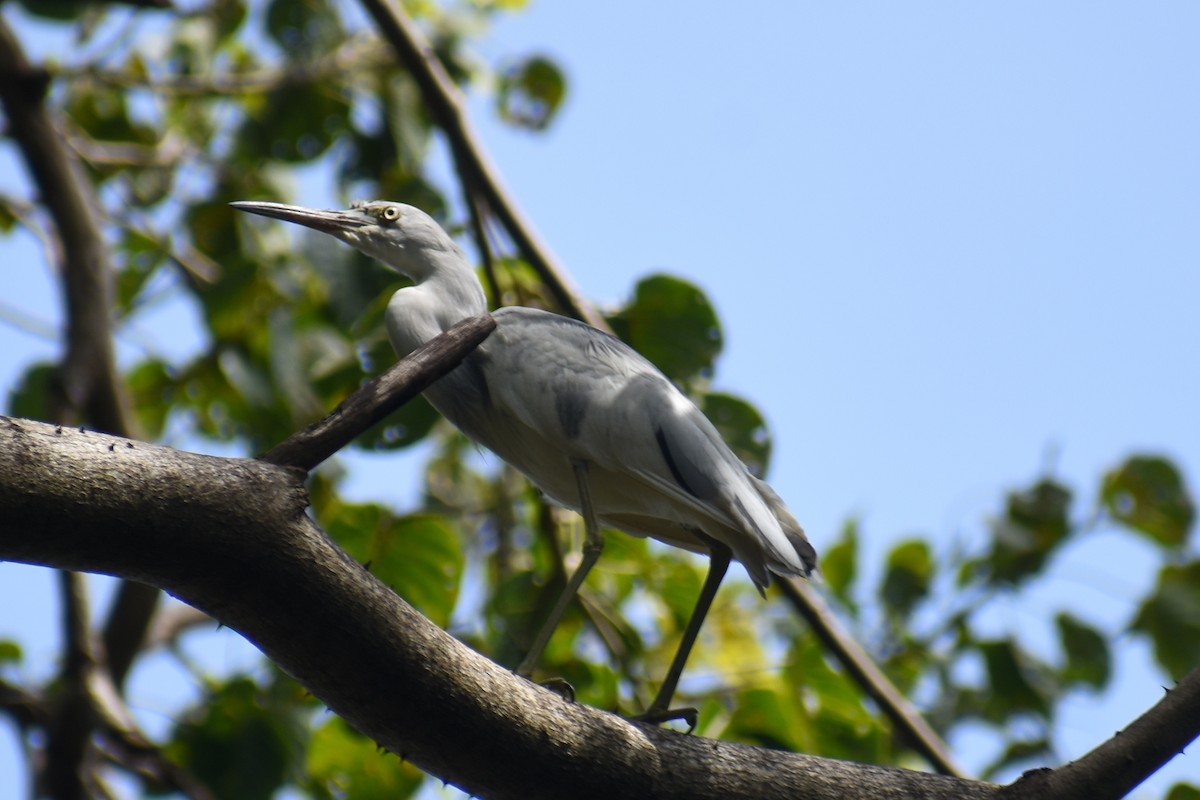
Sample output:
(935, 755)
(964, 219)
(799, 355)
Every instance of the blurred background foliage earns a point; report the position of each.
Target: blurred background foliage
(176, 112)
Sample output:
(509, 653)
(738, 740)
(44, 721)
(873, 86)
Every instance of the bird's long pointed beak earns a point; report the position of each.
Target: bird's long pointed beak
(324, 220)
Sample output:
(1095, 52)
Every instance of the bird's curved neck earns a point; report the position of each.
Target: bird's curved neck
(438, 300)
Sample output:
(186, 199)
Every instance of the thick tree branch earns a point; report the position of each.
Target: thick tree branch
(381, 396)
(445, 104)
(231, 537)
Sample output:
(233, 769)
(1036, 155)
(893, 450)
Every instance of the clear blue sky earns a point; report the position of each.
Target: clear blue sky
(950, 243)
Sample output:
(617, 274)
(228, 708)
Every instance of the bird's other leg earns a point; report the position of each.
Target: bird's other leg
(659, 710)
(593, 545)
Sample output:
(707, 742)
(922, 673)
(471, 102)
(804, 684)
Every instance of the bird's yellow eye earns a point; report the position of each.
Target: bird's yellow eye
(390, 213)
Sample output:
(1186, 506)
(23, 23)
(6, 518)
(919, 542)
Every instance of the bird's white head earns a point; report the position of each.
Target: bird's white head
(401, 236)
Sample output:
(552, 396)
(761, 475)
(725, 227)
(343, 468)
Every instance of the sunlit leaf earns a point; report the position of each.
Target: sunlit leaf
(341, 762)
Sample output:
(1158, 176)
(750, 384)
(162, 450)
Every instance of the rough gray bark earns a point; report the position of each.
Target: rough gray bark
(232, 538)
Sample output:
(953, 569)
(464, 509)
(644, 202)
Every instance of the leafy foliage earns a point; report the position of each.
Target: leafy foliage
(234, 101)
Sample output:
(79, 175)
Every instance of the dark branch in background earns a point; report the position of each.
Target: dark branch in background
(89, 389)
(908, 722)
(87, 377)
(381, 396)
(444, 101)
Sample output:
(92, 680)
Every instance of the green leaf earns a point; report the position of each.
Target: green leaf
(1018, 682)
(1184, 791)
(839, 564)
(531, 93)
(1086, 649)
(341, 762)
(243, 740)
(671, 322)
(31, 397)
(10, 652)
(304, 28)
(1171, 618)
(152, 387)
(420, 555)
(1036, 522)
(908, 574)
(1148, 494)
(742, 427)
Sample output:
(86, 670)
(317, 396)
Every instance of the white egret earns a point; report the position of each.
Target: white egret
(587, 419)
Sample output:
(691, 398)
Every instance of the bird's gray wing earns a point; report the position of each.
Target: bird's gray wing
(600, 401)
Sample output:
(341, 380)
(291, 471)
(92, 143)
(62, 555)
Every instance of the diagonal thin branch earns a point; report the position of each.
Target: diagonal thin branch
(445, 103)
(381, 396)
(907, 720)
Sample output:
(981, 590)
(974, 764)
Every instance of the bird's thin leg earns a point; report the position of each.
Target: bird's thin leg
(659, 710)
(593, 545)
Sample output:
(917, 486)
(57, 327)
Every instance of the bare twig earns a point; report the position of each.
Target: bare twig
(362, 53)
(444, 102)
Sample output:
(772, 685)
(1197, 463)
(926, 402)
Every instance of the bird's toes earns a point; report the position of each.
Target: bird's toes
(657, 716)
(561, 688)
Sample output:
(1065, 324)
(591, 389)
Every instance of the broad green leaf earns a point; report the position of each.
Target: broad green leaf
(1148, 494)
(909, 571)
(10, 652)
(1171, 618)
(242, 740)
(1017, 682)
(1035, 523)
(1184, 791)
(839, 564)
(1086, 651)
(419, 555)
(31, 398)
(742, 427)
(303, 28)
(341, 762)
(671, 322)
(531, 92)
(151, 387)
